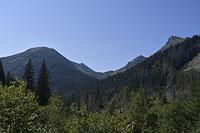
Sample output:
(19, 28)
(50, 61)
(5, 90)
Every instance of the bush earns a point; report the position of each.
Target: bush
(19, 111)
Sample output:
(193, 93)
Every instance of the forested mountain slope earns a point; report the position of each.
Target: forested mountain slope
(158, 72)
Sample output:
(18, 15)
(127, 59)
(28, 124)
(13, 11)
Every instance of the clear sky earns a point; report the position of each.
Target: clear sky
(104, 34)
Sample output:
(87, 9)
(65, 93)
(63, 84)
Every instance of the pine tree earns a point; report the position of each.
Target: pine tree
(43, 90)
(28, 75)
(2, 75)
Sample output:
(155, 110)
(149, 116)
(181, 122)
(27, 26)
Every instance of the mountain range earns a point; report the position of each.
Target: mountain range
(66, 75)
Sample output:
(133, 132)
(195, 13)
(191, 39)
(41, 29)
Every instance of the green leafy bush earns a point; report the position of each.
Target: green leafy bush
(19, 111)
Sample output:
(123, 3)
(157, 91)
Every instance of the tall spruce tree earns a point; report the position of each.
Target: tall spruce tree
(2, 75)
(28, 75)
(43, 89)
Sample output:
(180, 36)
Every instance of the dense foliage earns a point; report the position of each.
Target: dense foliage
(20, 112)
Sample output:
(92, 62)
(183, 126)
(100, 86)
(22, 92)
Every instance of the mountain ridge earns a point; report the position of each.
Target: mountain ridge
(68, 75)
(63, 75)
(102, 75)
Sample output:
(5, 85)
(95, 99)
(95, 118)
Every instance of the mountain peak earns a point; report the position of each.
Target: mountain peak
(36, 49)
(172, 41)
(140, 57)
(135, 61)
(131, 64)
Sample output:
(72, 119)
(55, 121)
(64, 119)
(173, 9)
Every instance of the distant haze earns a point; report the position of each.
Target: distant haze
(104, 34)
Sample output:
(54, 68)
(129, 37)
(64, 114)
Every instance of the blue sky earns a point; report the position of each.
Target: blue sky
(104, 34)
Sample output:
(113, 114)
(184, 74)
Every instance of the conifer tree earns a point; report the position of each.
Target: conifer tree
(28, 75)
(43, 89)
(2, 75)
